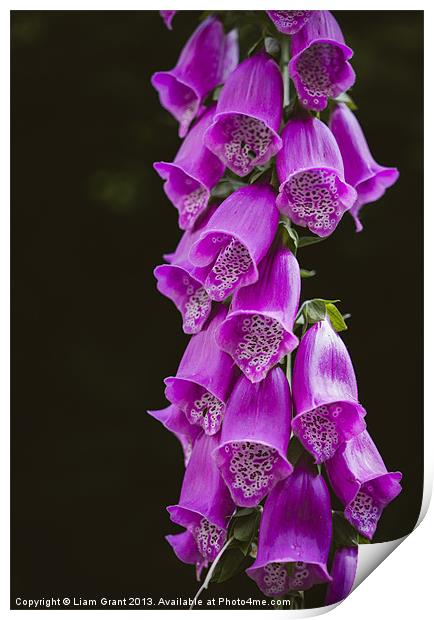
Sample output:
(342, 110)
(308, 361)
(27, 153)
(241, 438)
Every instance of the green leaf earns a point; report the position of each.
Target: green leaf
(315, 310)
(307, 273)
(231, 563)
(244, 512)
(291, 237)
(336, 318)
(344, 534)
(305, 241)
(345, 98)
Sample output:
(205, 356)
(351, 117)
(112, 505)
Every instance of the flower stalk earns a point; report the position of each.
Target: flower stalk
(235, 279)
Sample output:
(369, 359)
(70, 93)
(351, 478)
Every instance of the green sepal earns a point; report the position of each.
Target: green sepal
(307, 273)
(305, 241)
(345, 98)
(336, 318)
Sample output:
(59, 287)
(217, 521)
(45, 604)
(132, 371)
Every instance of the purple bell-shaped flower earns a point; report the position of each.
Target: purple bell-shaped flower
(185, 547)
(343, 573)
(244, 133)
(295, 533)
(319, 65)
(369, 179)
(205, 505)
(324, 390)
(206, 60)
(255, 436)
(193, 173)
(359, 478)
(236, 239)
(183, 283)
(257, 332)
(204, 379)
(167, 18)
(312, 191)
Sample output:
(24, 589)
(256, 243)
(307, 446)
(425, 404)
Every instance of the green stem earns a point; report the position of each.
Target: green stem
(284, 60)
(211, 571)
(289, 369)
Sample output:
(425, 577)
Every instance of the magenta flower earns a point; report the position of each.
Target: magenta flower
(252, 450)
(185, 547)
(289, 22)
(206, 60)
(325, 393)
(257, 332)
(182, 282)
(205, 376)
(168, 17)
(343, 573)
(175, 421)
(319, 65)
(249, 111)
(205, 505)
(361, 170)
(192, 175)
(295, 534)
(235, 240)
(360, 479)
(312, 191)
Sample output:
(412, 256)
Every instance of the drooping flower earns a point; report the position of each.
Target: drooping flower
(235, 240)
(295, 533)
(289, 22)
(312, 191)
(168, 17)
(255, 436)
(257, 332)
(182, 282)
(185, 547)
(193, 173)
(359, 478)
(175, 421)
(205, 505)
(319, 65)
(206, 60)
(343, 573)
(204, 378)
(249, 111)
(361, 170)
(325, 393)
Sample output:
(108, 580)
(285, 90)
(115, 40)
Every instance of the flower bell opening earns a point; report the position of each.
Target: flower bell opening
(242, 142)
(231, 268)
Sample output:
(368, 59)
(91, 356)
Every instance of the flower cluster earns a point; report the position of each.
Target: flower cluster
(264, 443)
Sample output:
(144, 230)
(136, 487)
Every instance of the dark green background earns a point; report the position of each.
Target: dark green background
(91, 338)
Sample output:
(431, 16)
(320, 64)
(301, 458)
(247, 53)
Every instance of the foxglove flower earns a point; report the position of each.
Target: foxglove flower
(325, 393)
(249, 111)
(182, 282)
(193, 173)
(207, 58)
(289, 22)
(252, 451)
(168, 17)
(204, 379)
(295, 533)
(359, 478)
(235, 240)
(205, 505)
(257, 332)
(312, 191)
(319, 65)
(185, 547)
(343, 574)
(361, 170)
(175, 421)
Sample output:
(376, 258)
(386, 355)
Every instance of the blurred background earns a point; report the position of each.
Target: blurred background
(92, 340)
